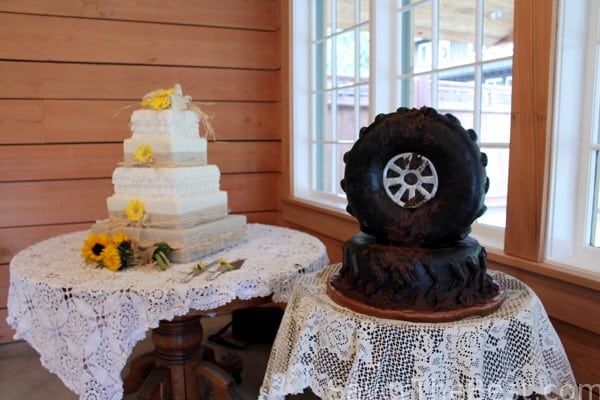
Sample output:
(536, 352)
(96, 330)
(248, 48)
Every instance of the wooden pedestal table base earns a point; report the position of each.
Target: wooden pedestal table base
(180, 367)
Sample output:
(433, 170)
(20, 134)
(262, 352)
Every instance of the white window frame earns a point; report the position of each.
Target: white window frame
(383, 96)
(576, 120)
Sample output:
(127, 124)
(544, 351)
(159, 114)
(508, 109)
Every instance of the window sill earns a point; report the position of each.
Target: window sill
(335, 223)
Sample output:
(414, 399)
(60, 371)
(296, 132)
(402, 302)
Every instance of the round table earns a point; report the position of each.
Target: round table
(342, 354)
(85, 321)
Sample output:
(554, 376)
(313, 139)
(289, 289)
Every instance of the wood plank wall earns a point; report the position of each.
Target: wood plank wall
(73, 71)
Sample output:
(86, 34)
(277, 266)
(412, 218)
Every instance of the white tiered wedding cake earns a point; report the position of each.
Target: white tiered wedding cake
(164, 191)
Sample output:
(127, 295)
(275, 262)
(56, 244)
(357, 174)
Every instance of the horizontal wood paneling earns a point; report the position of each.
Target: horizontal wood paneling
(125, 42)
(236, 157)
(53, 202)
(560, 298)
(248, 14)
(581, 347)
(6, 332)
(98, 160)
(59, 161)
(71, 201)
(68, 121)
(13, 240)
(4, 274)
(36, 80)
(251, 192)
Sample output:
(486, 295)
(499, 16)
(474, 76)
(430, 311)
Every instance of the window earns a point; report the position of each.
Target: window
(454, 55)
(574, 226)
(370, 57)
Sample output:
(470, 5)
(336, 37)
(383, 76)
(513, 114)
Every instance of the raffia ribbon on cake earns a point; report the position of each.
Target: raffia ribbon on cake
(119, 222)
(207, 128)
(147, 247)
(195, 162)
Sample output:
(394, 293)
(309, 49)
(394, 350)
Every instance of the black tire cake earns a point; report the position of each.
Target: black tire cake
(415, 181)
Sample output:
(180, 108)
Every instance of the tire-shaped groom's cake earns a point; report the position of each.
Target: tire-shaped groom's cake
(415, 181)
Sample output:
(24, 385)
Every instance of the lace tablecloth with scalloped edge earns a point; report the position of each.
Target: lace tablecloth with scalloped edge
(85, 321)
(341, 354)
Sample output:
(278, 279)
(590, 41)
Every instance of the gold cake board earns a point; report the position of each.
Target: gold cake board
(479, 309)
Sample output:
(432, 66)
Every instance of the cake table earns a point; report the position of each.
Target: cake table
(84, 321)
(342, 354)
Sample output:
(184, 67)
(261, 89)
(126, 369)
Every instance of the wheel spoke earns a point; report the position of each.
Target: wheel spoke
(396, 168)
(426, 193)
(398, 195)
(397, 180)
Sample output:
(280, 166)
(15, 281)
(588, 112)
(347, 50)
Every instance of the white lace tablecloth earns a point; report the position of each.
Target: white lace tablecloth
(341, 354)
(85, 321)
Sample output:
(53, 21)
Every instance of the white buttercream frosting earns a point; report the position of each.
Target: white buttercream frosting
(182, 124)
(172, 205)
(181, 181)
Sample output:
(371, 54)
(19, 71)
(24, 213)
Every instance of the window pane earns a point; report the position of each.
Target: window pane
(497, 29)
(414, 38)
(323, 117)
(326, 168)
(457, 33)
(345, 59)
(364, 54)
(345, 115)
(341, 150)
(496, 93)
(495, 200)
(415, 91)
(456, 94)
(364, 11)
(346, 11)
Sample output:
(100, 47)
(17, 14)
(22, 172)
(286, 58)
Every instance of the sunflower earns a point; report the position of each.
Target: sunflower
(143, 154)
(135, 210)
(111, 258)
(119, 238)
(94, 245)
(158, 99)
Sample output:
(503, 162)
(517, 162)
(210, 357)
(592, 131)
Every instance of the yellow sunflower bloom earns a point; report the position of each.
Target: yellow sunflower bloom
(135, 210)
(94, 245)
(143, 154)
(119, 237)
(158, 100)
(111, 258)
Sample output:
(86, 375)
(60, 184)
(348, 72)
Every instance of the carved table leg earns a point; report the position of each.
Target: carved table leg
(178, 347)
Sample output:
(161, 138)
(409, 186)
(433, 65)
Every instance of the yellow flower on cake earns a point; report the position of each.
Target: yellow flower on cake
(94, 245)
(111, 258)
(134, 210)
(158, 99)
(143, 154)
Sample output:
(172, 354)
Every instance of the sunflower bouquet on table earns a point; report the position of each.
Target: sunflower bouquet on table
(118, 251)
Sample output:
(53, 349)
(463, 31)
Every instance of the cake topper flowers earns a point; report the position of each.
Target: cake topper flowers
(158, 99)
